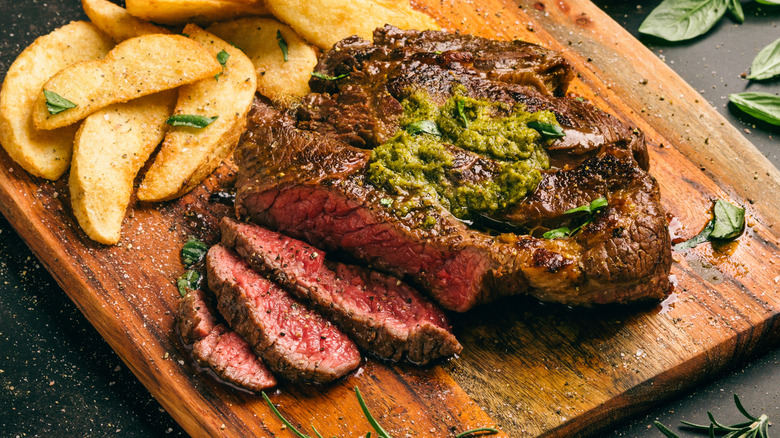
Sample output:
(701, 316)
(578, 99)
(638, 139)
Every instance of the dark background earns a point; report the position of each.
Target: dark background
(58, 377)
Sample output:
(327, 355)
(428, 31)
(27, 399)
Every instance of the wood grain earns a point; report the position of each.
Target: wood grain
(533, 369)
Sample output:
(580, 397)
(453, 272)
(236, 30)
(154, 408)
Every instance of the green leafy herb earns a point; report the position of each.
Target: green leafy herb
(678, 20)
(56, 103)
(590, 209)
(727, 223)
(763, 106)
(193, 251)
(735, 9)
(371, 420)
(461, 107)
(766, 64)
(188, 280)
(481, 431)
(282, 45)
(386, 202)
(281, 418)
(755, 427)
(222, 58)
(325, 77)
(423, 127)
(768, 2)
(191, 120)
(547, 129)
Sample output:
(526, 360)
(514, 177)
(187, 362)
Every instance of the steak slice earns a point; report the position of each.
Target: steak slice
(382, 314)
(219, 348)
(314, 187)
(295, 342)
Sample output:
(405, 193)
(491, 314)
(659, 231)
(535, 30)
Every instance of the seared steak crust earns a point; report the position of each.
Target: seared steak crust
(381, 313)
(295, 342)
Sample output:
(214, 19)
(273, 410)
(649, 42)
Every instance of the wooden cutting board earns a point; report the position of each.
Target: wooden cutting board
(530, 369)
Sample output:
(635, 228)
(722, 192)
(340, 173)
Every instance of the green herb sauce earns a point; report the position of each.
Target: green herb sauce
(416, 165)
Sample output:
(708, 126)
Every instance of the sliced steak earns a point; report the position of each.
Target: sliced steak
(314, 187)
(219, 348)
(295, 342)
(381, 313)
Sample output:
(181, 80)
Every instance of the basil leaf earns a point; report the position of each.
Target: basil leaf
(763, 106)
(735, 8)
(768, 2)
(547, 129)
(193, 251)
(729, 220)
(282, 45)
(56, 103)
(727, 223)
(423, 127)
(767, 63)
(678, 20)
(590, 207)
(557, 233)
(325, 77)
(461, 106)
(188, 280)
(191, 120)
(222, 58)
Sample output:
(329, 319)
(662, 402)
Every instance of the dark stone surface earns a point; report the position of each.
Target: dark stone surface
(58, 377)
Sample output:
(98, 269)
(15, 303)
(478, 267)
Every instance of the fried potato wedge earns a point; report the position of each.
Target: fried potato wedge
(111, 146)
(116, 21)
(44, 153)
(188, 155)
(194, 11)
(277, 79)
(134, 68)
(325, 22)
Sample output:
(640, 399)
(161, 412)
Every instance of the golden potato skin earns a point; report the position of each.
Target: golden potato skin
(188, 155)
(277, 79)
(111, 146)
(134, 68)
(194, 11)
(325, 22)
(44, 153)
(116, 22)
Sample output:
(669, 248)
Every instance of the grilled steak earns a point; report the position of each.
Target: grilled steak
(295, 342)
(219, 348)
(305, 173)
(383, 315)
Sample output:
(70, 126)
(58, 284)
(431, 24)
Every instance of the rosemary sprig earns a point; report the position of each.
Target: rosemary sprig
(755, 427)
(481, 430)
(284, 421)
(371, 420)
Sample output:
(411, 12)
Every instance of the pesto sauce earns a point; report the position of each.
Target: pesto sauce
(418, 167)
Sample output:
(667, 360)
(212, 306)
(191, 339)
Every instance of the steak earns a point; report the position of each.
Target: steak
(295, 342)
(382, 314)
(305, 174)
(219, 348)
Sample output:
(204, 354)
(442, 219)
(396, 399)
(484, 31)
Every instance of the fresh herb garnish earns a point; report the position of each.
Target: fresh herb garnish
(381, 433)
(325, 77)
(763, 106)
(282, 44)
(193, 251)
(386, 202)
(735, 9)
(755, 427)
(590, 209)
(191, 120)
(727, 223)
(461, 107)
(547, 129)
(766, 64)
(222, 58)
(678, 20)
(188, 280)
(423, 127)
(768, 2)
(56, 103)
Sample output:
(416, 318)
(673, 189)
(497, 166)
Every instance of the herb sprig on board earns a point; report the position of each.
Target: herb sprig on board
(380, 431)
(727, 223)
(755, 427)
(590, 209)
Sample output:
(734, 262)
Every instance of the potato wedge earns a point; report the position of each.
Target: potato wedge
(44, 153)
(276, 79)
(134, 68)
(194, 11)
(325, 22)
(116, 21)
(111, 146)
(188, 155)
